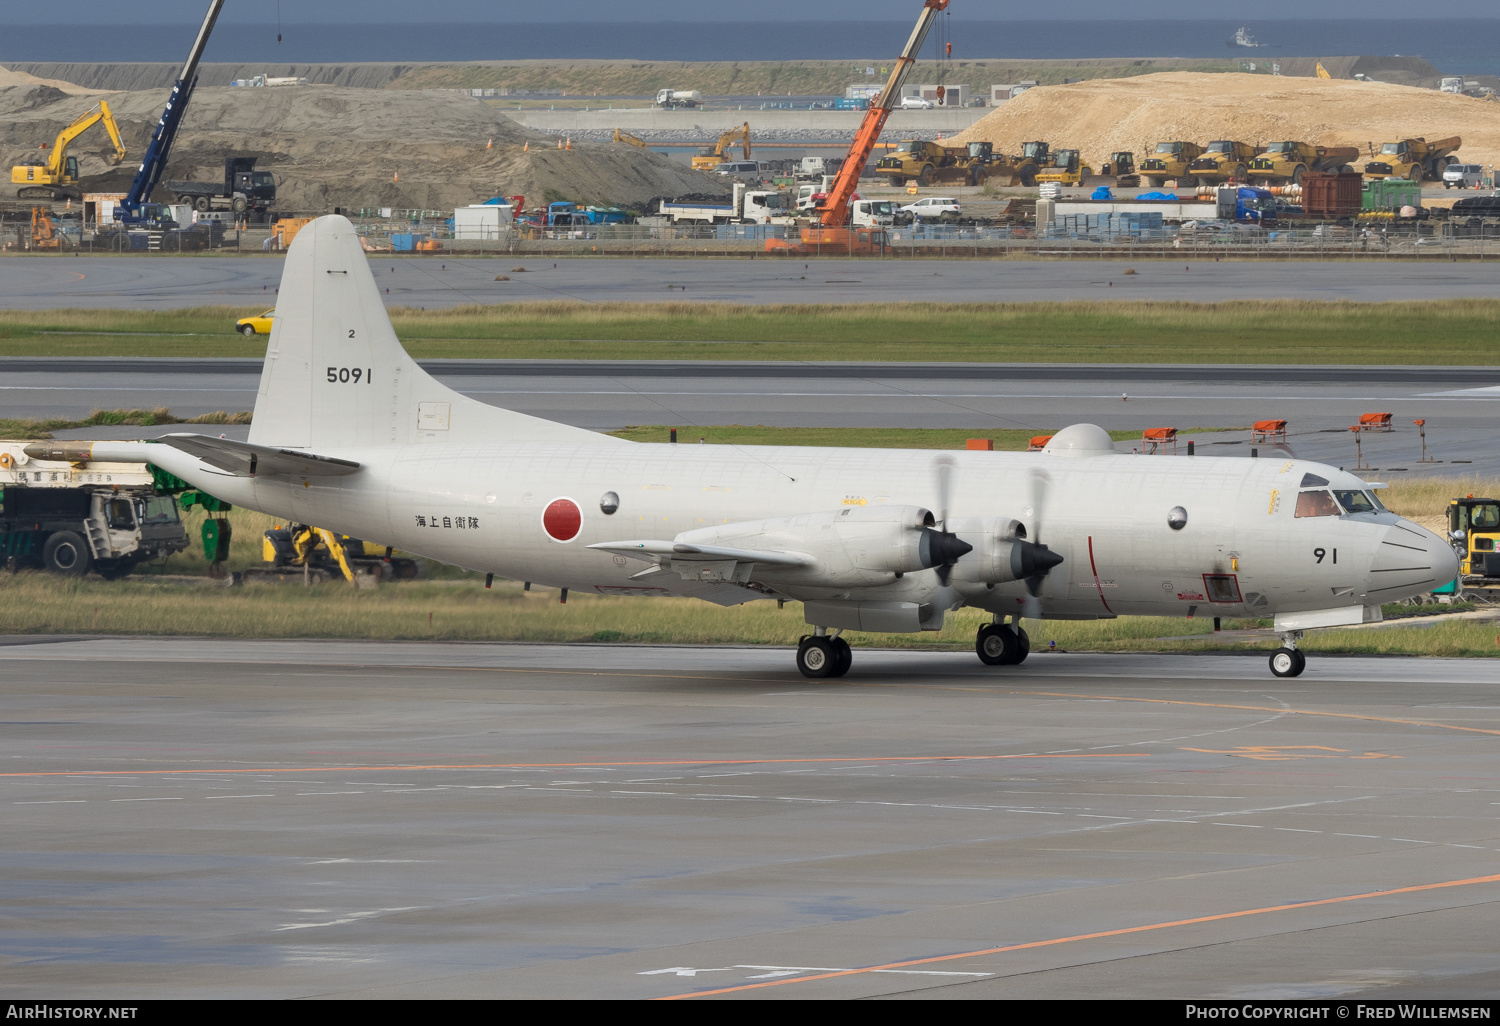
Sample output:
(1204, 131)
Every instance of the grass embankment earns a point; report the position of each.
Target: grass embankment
(865, 438)
(1463, 331)
(26, 428)
(449, 604)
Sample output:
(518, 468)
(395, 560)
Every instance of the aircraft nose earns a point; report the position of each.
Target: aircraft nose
(1408, 561)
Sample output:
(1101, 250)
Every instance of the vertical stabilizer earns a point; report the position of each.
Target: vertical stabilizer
(336, 376)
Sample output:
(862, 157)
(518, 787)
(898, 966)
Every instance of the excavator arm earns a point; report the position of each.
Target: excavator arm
(835, 210)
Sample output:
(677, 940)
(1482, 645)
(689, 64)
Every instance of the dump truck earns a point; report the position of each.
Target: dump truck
(915, 160)
(1283, 163)
(1413, 159)
(1169, 160)
(1067, 168)
(243, 189)
(1222, 160)
(746, 206)
(65, 513)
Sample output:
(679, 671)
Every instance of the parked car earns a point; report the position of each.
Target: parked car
(916, 103)
(260, 324)
(748, 169)
(1462, 176)
(933, 208)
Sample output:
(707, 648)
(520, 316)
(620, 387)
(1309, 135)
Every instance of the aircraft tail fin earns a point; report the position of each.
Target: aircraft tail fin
(336, 375)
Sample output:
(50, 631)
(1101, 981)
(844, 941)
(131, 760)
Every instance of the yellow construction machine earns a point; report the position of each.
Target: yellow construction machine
(1067, 168)
(44, 234)
(56, 176)
(314, 554)
(1169, 160)
(1414, 159)
(1224, 159)
(1284, 163)
(1474, 527)
(626, 137)
(708, 159)
(1121, 167)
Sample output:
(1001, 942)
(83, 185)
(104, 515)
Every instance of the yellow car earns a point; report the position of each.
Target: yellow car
(260, 324)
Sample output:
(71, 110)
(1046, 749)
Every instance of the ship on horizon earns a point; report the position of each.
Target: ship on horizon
(1242, 37)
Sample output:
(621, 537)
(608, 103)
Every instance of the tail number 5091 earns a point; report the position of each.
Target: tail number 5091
(344, 375)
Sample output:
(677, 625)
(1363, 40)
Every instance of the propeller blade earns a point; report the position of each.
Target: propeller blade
(943, 468)
(1041, 558)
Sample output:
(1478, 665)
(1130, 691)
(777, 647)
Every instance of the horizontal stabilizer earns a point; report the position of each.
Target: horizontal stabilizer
(655, 551)
(244, 459)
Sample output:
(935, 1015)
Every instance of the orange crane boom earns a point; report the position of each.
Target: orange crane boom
(835, 210)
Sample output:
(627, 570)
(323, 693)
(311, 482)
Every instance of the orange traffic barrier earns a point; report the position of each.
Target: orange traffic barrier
(985, 444)
(1268, 431)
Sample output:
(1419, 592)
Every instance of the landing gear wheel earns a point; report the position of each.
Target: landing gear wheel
(843, 657)
(66, 553)
(1288, 662)
(815, 657)
(1025, 642)
(998, 645)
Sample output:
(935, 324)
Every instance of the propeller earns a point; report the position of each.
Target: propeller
(1039, 559)
(940, 547)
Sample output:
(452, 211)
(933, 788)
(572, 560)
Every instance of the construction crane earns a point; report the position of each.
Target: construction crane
(835, 210)
(136, 207)
(626, 137)
(708, 159)
(57, 177)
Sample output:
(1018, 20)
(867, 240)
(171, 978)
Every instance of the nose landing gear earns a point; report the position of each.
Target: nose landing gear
(1287, 661)
(999, 644)
(819, 655)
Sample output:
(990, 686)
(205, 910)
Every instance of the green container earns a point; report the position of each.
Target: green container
(1390, 194)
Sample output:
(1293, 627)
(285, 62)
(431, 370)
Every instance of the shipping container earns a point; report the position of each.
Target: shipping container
(1332, 195)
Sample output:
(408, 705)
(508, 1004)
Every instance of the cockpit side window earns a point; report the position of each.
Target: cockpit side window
(1375, 499)
(1354, 501)
(1316, 504)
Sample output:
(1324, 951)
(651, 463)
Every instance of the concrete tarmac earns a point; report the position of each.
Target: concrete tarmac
(164, 282)
(1461, 405)
(207, 818)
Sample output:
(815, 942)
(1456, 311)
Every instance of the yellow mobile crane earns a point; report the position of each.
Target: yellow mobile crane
(57, 177)
(707, 159)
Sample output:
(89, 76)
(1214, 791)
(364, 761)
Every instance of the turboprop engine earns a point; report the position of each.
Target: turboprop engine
(999, 551)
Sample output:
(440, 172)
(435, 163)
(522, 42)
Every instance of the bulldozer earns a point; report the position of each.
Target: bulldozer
(1121, 165)
(1169, 160)
(315, 554)
(56, 177)
(1067, 168)
(1413, 159)
(1222, 160)
(1284, 163)
(710, 158)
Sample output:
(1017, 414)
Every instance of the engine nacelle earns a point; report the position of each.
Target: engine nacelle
(1001, 552)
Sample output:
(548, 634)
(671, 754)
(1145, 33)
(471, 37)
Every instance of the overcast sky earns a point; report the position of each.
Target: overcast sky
(308, 12)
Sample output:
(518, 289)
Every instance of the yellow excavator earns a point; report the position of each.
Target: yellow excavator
(626, 137)
(314, 554)
(708, 159)
(56, 177)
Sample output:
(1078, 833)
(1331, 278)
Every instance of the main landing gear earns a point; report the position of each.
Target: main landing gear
(999, 644)
(1287, 661)
(819, 655)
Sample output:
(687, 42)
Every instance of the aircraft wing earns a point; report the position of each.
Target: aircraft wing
(242, 459)
(659, 551)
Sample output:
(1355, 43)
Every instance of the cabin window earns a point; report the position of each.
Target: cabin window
(120, 514)
(160, 509)
(1222, 588)
(1484, 545)
(1354, 501)
(1485, 517)
(1316, 504)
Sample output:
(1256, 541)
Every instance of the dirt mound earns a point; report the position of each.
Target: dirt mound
(354, 148)
(1105, 115)
(10, 79)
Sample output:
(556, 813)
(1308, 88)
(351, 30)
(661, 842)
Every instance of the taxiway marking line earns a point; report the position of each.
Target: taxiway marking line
(569, 765)
(1124, 931)
(1251, 708)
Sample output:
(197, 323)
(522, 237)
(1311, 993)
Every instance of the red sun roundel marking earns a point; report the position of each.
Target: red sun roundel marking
(562, 519)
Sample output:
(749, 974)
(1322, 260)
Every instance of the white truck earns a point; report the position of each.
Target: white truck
(71, 516)
(872, 213)
(817, 167)
(672, 98)
(747, 206)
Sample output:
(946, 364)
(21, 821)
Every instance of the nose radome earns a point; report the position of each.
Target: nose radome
(1408, 561)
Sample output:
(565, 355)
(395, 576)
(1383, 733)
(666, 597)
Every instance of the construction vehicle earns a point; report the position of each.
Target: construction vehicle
(65, 513)
(1284, 163)
(833, 214)
(1474, 528)
(1414, 159)
(315, 554)
(746, 206)
(1224, 160)
(243, 190)
(913, 160)
(135, 209)
(1067, 168)
(708, 159)
(44, 234)
(1169, 160)
(673, 98)
(1121, 166)
(56, 177)
(626, 137)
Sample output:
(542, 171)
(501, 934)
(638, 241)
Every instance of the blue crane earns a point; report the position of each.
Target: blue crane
(137, 207)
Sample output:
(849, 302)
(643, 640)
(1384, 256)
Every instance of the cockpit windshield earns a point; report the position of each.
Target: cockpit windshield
(1390, 148)
(1219, 146)
(1317, 504)
(1354, 501)
(1168, 147)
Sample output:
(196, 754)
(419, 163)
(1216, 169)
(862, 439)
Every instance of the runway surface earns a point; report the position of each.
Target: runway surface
(200, 818)
(155, 283)
(1461, 405)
